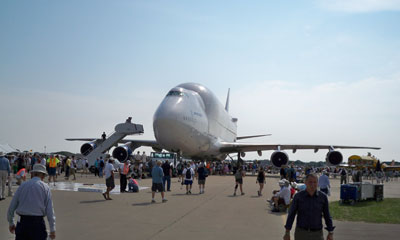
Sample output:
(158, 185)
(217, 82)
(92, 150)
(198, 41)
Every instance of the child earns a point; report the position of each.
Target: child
(133, 185)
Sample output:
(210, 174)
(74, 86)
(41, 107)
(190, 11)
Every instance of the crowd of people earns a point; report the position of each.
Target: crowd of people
(316, 188)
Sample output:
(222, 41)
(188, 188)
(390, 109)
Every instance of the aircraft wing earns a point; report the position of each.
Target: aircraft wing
(227, 147)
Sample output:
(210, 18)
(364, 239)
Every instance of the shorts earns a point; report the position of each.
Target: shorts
(240, 181)
(202, 181)
(157, 187)
(180, 172)
(188, 182)
(52, 171)
(110, 182)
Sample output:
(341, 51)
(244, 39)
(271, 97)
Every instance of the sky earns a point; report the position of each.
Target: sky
(307, 72)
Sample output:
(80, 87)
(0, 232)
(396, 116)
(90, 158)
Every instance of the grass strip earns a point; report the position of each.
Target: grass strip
(386, 211)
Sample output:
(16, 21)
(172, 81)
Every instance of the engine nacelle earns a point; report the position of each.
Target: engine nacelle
(86, 148)
(334, 157)
(279, 158)
(122, 153)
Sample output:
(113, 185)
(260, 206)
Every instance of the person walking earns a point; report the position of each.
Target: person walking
(67, 167)
(32, 201)
(201, 176)
(72, 169)
(188, 172)
(5, 171)
(109, 175)
(324, 184)
(167, 175)
(343, 176)
(157, 176)
(97, 167)
(309, 206)
(101, 167)
(239, 180)
(260, 180)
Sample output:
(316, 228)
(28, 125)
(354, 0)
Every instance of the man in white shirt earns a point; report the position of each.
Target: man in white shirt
(144, 157)
(109, 175)
(188, 173)
(32, 201)
(282, 196)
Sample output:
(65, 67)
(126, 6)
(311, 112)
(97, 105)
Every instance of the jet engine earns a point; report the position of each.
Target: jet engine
(86, 148)
(279, 158)
(122, 153)
(334, 157)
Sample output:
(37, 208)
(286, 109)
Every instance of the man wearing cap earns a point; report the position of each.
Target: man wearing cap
(5, 171)
(282, 196)
(32, 201)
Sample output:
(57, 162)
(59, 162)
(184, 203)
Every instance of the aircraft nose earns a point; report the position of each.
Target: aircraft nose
(166, 121)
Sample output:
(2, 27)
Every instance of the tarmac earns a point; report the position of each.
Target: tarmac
(216, 214)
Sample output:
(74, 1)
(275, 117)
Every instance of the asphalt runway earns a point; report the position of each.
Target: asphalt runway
(217, 214)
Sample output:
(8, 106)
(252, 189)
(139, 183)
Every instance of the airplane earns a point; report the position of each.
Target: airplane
(192, 122)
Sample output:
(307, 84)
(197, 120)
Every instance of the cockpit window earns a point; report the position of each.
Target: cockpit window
(175, 93)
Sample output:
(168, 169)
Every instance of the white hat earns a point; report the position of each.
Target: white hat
(39, 168)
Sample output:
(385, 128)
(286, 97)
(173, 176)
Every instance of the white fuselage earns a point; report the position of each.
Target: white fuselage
(192, 121)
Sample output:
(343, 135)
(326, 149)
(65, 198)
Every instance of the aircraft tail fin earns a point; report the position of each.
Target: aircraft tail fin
(227, 101)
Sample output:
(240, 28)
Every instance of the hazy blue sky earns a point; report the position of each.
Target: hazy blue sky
(309, 72)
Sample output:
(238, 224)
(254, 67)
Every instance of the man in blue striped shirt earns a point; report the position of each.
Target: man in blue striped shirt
(32, 201)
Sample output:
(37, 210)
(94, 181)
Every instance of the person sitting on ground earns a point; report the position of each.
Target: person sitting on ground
(281, 197)
(133, 185)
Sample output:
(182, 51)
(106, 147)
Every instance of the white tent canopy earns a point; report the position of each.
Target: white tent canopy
(6, 148)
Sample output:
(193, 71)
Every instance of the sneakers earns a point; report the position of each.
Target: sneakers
(234, 194)
(153, 201)
(242, 193)
(258, 193)
(164, 200)
(190, 192)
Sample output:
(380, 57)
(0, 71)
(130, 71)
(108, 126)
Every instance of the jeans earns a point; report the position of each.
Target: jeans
(168, 180)
(122, 183)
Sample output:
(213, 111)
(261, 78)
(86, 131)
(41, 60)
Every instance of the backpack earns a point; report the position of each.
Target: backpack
(343, 172)
(188, 173)
(101, 164)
